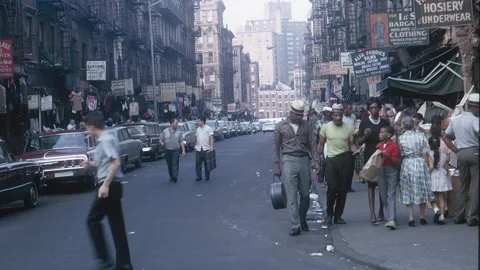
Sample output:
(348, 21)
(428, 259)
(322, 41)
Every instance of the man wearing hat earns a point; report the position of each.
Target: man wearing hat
(341, 144)
(464, 128)
(294, 141)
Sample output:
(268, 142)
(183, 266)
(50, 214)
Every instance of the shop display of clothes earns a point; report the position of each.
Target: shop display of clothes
(134, 108)
(91, 100)
(77, 101)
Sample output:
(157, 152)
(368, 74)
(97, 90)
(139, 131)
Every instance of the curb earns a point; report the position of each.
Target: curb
(341, 246)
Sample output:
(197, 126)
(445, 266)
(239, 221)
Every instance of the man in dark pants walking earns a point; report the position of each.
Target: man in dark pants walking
(204, 142)
(172, 139)
(107, 200)
(339, 138)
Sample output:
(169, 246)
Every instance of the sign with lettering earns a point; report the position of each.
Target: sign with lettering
(122, 87)
(374, 79)
(318, 84)
(96, 70)
(168, 92)
(46, 103)
(402, 31)
(335, 68)
(147, 91)
(189, 90)
(324, 69)
(6, 59)
(180, 87)
(371, 62)
(442, 13)
(346, 59)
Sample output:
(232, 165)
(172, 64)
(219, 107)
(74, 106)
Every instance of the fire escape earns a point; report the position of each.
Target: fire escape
(12, 26)
(60, 57)
(336, 30)
(355, 16)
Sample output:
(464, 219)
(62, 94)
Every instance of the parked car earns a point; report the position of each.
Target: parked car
(130, 149)
(19, 180)
(243, 129)
(258, 126)
(217, 130)
(225, 129)
(233, 128)
(268, 127)
(60, 154)
(238, 129)
(248, 127)
(149, 134)
(188, 135)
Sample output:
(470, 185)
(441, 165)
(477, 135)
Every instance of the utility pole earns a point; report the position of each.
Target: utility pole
(152, 56)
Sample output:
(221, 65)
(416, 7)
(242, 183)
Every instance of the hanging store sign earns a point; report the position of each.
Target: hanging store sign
(189, 90)
(346, 59)
(232, 107)
(6, 59)
(122, 87)
(402, 31)
(168, 92)
(197, 92)
(96, 70)
(371, 62)
(180, 87)
(147, 91)
(335, 68)
(318, 84)
(217, 101)
(207, 94)
(442, 13)
(374, 79)
(324, 69)
(379, 30)
(46, 103)
(33, 101)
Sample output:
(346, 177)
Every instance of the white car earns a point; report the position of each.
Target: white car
(268, 127)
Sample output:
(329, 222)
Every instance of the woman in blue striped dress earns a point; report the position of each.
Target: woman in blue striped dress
(414, 173)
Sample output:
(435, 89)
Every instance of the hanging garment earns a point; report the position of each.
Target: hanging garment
(91, 102)
(142, 104)
(77, 101)
(134, 109)
(108, 104)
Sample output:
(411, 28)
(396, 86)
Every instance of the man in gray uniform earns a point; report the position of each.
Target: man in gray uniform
(173, 141)
(293, 137)
(464, 128)
(107, 200)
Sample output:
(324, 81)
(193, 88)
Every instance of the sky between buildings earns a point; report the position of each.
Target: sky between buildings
(238, 11)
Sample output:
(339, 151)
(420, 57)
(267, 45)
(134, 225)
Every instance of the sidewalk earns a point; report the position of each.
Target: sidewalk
(451, 246)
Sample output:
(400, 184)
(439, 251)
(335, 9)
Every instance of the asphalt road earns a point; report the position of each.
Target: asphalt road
(227, 223)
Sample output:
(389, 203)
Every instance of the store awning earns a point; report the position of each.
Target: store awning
(445, 78)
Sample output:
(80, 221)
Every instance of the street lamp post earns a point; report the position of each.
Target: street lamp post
(152, 56)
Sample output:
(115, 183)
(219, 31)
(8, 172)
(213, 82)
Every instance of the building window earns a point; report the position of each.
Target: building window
(291, 96)
(266, 96)
(261, 104)
(280, 114)
(261, 96)
(279, 105)
(210, 16)
(268, 114)
(273, 103)
(209, 35)
(210, 57)
(266, 104)
(286, 96)
(274, 116)
(279, 96)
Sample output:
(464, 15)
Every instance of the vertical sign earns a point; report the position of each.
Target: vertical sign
(168, 92)
(346, 59)
(189, 90)
(379, 30)
(180, 87)
(402, 30)
(335, 68)
(6, 59)
(443, 13)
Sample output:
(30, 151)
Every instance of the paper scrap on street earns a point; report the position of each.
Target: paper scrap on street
(316, 254)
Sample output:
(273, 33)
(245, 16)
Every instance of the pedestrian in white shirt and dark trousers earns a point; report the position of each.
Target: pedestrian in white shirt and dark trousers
(204, 142)
(350, 119)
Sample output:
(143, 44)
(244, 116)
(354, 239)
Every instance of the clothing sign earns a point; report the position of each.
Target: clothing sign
(168, 92)
(180, 87)
(232, 107)
(6, 59)
(402, 30)
(46, 103)
(346, 59)
(371, 62)
(335, 68)
(122, 87)
(318, 84)
(374, 79)
(96, 70)
(217, 101)
(379, 30)
(442, 13)
(324, 69)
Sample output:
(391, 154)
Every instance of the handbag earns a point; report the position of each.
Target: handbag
(372, 167)
(277, 194)
(211, 161)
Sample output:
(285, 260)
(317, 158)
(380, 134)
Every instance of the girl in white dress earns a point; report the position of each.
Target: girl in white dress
(440, 179)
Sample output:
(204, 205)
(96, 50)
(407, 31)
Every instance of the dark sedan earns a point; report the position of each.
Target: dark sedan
(19, 181)
(149, 134)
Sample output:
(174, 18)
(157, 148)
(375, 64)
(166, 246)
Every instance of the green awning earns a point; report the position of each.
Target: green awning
(445, 78)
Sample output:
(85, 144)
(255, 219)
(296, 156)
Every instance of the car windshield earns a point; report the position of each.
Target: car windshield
(192, 126)
(137, 130)
(182, 128)
(57, 141)
(3, 154)
(268, 124)
(222, 123)
(211, 124)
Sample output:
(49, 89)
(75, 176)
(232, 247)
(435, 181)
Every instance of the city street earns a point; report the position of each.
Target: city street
(226, 223)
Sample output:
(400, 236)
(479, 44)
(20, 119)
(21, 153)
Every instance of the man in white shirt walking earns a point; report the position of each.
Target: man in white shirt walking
(204, 142)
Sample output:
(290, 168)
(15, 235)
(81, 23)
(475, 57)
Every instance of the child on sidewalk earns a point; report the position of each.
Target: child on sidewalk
(388, 175)
(440, 180)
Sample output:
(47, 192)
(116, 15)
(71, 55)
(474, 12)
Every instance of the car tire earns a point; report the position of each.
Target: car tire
(138, 163)
(31, 198)
(124, 165)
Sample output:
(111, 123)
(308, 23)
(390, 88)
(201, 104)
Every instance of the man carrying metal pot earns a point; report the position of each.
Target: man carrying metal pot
(294, 139)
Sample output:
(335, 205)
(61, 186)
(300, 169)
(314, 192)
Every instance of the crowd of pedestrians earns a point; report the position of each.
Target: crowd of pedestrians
(417, 161)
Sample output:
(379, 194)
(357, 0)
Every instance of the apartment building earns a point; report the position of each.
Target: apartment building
(254, 85)
(275, 103)
(241, 79)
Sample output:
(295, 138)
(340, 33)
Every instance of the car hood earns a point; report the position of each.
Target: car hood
(52, 153)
